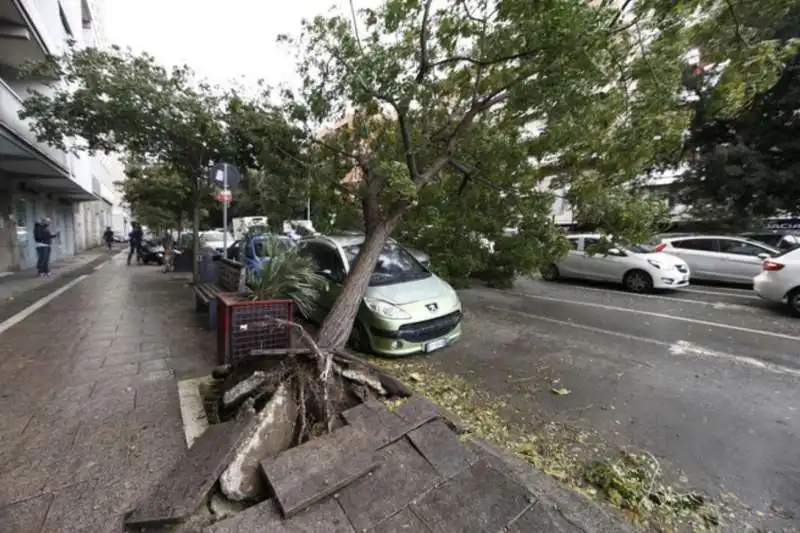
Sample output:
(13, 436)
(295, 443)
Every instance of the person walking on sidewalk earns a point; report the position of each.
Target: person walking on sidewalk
(108, 236)
(135, 238)
(44, 240)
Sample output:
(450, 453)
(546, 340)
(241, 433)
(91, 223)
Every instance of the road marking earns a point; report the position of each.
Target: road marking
(679, 300)
(659, 315)
(35, 306)
(742, 294)
(676, 348)
(101, 265)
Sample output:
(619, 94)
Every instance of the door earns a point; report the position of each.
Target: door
(601, 266)
(570, 266)
(330, 265)
(741, 260)
(701, 254)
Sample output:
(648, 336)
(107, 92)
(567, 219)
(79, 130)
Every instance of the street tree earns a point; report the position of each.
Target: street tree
(116, 101)
(545, 92)
(741, 151)
(157, 195)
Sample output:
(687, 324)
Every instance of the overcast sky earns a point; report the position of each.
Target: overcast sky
(220, 39)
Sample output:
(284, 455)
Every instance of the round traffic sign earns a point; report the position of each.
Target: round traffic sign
(222, 172)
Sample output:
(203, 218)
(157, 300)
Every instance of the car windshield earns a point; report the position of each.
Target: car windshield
(395, 265)
(261, 244)
(212, 236)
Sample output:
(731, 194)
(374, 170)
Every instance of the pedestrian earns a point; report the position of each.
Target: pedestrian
(44, 240)
(108, 236)
(135, 238)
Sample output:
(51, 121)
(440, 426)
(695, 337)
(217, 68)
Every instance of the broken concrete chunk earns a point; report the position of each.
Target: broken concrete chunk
(365, 378)
(221, 372)
(221, 507)
(270, 432)
(237, 394)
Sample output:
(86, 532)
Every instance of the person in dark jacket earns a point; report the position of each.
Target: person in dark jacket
(44, 241)
(108, 236)
(135, 238)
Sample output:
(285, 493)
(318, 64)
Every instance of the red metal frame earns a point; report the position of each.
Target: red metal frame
(235, 346)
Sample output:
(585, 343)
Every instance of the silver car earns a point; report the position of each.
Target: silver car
(722, 258)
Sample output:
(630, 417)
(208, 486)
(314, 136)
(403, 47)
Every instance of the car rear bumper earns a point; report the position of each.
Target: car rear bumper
(768, 289)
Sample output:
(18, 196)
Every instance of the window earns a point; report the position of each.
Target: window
(730, 246)
(706, 245)
(395, 265)
(573, 242)
(326, 258)
(589, 241)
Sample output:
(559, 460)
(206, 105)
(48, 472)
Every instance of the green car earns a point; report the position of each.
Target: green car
(406, 309)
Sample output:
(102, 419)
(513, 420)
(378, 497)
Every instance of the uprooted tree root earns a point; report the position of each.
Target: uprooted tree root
(633, 483)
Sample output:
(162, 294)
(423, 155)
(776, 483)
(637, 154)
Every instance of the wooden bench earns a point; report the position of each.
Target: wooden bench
(229, 279)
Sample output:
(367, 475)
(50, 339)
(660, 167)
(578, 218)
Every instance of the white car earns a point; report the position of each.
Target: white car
(638, 268)
(779, 282)
(214, 241)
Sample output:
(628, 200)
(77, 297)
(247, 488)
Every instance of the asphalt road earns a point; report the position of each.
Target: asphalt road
(706, 378)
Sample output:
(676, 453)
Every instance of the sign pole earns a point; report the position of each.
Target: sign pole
(225, 211)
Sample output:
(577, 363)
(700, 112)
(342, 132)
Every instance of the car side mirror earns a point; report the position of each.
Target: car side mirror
(763, 255)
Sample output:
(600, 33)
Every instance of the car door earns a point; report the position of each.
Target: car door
(701, 254)
(603, 266)
(330, 265)
(571, 264)
(741, 260)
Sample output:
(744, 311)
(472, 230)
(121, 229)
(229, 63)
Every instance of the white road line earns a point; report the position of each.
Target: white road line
(659, 315)
(672, 299)
(101, 265)
(741, 294)
(676, 348)
(35, 306)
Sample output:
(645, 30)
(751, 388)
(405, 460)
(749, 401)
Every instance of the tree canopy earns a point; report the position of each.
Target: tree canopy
(742, 146)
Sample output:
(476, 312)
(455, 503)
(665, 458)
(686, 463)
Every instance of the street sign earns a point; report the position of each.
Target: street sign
(224, 196)
(222, 172)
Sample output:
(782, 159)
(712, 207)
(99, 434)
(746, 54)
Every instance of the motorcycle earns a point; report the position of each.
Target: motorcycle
(151, 252)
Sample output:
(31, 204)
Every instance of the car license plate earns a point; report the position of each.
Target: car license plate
(435, 345)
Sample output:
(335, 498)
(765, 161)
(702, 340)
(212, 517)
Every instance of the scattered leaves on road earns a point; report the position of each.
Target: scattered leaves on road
(631, 482)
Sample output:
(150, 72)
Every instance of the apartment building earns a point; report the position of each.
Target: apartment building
(36, 180)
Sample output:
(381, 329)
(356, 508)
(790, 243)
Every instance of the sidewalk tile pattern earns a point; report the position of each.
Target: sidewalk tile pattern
(89, 414)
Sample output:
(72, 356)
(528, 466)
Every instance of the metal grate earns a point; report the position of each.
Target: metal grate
(249, 329)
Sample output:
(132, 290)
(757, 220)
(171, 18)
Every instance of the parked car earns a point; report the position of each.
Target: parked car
(250, 250)
(419, 255)
(783, 241)
(214, 242)
(406, 308)
(779, 281)
(722, 258)
(638, 268)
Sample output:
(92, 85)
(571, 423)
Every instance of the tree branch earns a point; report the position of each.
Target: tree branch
(355, 27)
(736, 25)
(424, 67)
(619, 14)
(483, 62)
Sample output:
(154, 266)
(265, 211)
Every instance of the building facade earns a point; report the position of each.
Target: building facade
(36, 180)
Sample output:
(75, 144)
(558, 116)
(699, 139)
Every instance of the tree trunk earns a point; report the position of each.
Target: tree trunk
(336, 327)
(195, 235)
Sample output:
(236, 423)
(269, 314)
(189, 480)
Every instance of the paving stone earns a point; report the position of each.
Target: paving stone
(478, 499)
(326, 517)
(539, 519)
(403, 522)
(442, 448)
(181, 490)
(25, 516)
(382, 423)
(108, 372)
(402, 475)
(153, 365)
(306, 474)
(84, 364)
(91, 508)
(419, 407)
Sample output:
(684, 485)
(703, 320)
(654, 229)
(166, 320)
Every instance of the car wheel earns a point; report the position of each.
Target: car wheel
(638, 281)
(359, 340)
(793, 299)
(550, 272)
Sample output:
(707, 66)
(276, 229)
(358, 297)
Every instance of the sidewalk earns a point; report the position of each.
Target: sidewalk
(14, 284)
(89, 413)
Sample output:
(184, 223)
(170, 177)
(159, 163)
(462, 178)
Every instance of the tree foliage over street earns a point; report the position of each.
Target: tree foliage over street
(742, 146)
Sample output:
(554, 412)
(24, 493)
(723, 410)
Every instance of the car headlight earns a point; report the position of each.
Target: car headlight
(385, 309)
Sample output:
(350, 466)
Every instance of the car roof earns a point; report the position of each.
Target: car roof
(340, 239)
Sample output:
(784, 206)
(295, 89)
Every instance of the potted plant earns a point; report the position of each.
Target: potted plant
(283, 280)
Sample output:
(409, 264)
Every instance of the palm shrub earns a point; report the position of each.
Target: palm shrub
(287, 274)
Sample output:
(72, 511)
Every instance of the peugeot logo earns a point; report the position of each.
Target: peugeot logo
(432, 307)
